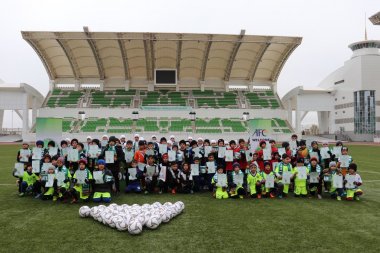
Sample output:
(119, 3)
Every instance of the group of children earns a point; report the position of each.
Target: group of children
(95, 169)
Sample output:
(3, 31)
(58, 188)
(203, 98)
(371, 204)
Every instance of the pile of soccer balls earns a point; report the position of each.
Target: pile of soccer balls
(133, 218)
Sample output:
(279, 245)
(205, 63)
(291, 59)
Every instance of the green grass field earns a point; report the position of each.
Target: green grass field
(206, 225)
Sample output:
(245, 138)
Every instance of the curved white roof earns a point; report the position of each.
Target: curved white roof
(114, 57)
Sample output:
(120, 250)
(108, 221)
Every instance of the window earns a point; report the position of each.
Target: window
(364, 112)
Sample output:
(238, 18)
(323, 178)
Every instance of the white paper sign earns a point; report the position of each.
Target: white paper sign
(73, 155)
(350, 181)
(64, 151)
(281, 151)
(132, 174)
(36, 165)
(141, 166)
(110, 156)
(24, 153)
(37, 153)
(150, 170)
(103, 143)
(248, 155)
(286, 175)
(210, 167)
(149, 152)
(337, 181)
(194, 169)
(267, 154)
(293, 145)
(162, 175)
(163, 148)
(45, 167)
(207, 150)
(269, 181)
(238, 179)
(128, 156)
(314, 177)
(337, 151)
(50, 180)
(327, 178)
(172, 155)
(93, 150)
(61, 178)
(19, 169)
(344, 161)
(222, 180)
(274, 165)
(229, 154)
(53, 151)
(221, 152)
(302, 172)
(324, 153)
(197, 152)
(180, 156)
(81, 176)
(98, 176)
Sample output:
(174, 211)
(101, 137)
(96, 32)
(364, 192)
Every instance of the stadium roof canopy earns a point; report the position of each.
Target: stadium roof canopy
(375, 18)
(117, 59)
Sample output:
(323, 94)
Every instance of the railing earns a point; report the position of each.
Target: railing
(10, 131)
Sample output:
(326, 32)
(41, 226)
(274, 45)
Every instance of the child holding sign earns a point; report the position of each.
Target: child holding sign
(268, 189)
(315, 177)
(81, 180)
(352, 182)
(236, 186)
(63, 179)
(50, 185)
(133, 178)
(300, 174)
(334, 192)
(344, 160)
(24, 155)
(103, 183)
(220, 182)
(254, 181)
(283, 172)
(27, 181)
(186, 179)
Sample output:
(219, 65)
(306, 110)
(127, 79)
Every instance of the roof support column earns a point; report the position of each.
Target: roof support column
(25, 116)
(226, 86)
(76, 85)
(101, 85)
(274, 87)
(34, 110)
(202, 85)
(126, 85)
(290, 112)
(1, 119)
(51, 85)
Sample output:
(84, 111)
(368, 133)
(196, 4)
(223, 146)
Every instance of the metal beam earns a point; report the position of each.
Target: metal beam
(205, 57)
(70, 57)
(231, 60)
(147, 57)
(45, 62)
(179, 52)
(95, 52)
(259, 58)
(124, 56)
(152, 54)
(284, 58)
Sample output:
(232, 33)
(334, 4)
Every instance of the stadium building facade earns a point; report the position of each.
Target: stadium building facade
(163, 83)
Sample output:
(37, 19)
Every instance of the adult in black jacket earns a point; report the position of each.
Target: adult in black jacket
(118, 157)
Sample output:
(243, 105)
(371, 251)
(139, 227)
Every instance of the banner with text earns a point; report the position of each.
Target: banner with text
(259, 129)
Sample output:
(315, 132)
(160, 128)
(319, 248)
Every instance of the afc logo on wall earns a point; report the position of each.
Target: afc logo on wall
(260, 134)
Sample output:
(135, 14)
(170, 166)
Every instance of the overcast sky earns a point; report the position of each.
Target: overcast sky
(327, 28)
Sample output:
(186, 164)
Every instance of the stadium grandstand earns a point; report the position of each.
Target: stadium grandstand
(162, 83)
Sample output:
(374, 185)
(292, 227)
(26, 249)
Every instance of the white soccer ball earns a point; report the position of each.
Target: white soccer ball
(106, 216)
(156, 204)
(165, 217)
(84, 211)
(180, 204)
(94, 211)
(115, 220)
(135, 227)
(168, 204)
(121, 225)
(153, 222)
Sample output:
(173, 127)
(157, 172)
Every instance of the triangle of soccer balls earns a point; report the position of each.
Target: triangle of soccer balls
(133, 218)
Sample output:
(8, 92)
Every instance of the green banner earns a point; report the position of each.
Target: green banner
(259, 129)
(49, 129)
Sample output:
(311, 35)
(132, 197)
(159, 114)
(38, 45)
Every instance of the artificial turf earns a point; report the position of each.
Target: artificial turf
(206, 225)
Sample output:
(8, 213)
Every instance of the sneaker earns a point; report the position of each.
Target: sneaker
(241, 196)
(146, 192)
(160, 192)
(339, 198)
(259, 196)
(271, 195)
(280, 196)
(174, 191)
(55, 198)
(349, 198)
(326, 191)
(357, 198)
(191, 191)
(319, 196)
(38, 196)
(21, 194)
(74, 201)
